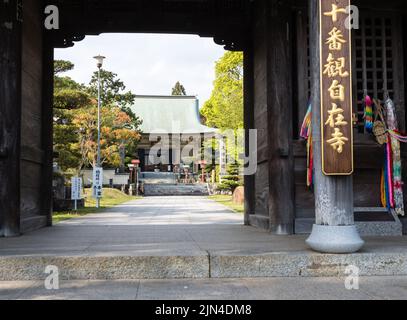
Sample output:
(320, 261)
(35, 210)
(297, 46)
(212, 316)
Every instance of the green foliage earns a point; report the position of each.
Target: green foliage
(224, 109)
(112, 89)
(62, 66)
(113, 93)
(71, 99)
(75, 120)
(232, 180)
(178, 90)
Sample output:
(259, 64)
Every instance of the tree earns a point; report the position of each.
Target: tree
(75, 120)
(115, 134)
(178, 90)
(68, 97)
(62, 66)
(232, 180)
(224, 109)
(113, 93)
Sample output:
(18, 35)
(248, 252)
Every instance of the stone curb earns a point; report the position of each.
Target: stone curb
(308, 265)
(202, 266)
(105, 268)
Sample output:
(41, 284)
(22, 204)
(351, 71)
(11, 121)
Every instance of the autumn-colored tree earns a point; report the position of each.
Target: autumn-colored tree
(115, 133)
(69, 96)
(75, 121)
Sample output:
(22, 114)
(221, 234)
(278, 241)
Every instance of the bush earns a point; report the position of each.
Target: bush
(232, 180)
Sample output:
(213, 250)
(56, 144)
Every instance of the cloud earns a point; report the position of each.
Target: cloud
(149, 63)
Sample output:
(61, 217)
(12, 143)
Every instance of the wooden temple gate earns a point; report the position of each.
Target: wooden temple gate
(279, 66)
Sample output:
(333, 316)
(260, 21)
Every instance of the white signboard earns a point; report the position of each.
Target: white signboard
(76, 188)
(222, 156)
(97, 182)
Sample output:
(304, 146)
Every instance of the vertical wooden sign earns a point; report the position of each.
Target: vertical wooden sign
(336, 88)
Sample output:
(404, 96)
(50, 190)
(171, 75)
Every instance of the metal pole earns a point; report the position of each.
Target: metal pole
(137, 185)
(98, 152)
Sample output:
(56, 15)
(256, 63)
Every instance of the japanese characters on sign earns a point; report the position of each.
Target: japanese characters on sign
(76, 188)
(97, 182)
(336, 88)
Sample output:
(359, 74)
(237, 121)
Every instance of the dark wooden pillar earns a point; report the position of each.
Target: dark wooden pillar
(10, 117)
(249, 182)
(47, 127)
(280, 122)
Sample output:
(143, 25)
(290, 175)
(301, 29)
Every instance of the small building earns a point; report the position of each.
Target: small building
(111, 177)
(169, 124)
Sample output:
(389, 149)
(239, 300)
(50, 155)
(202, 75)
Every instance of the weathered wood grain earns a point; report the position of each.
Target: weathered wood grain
(280, 115)
(10, 118)
(249, 183)
(32, 118)
(47, 129)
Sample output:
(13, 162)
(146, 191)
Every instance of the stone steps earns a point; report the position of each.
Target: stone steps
(158, 178)
(205, 265)
(175, 190)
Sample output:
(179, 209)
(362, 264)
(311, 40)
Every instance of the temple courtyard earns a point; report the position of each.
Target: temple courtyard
(188, 246)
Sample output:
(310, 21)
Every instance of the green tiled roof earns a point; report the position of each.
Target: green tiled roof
(169, 114)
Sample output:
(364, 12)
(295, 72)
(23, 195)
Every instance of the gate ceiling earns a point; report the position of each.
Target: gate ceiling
(227, 21)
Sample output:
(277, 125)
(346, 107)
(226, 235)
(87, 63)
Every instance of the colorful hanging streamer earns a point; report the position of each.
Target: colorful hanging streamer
(387, 190)
(394, 158)
(368, 114)
(306, 133)
(398, 135)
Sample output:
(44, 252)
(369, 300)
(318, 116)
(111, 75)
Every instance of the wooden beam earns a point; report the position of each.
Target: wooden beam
(223, 19)
(249, 182)
(280, 124)
(10, 117)
(47, 127)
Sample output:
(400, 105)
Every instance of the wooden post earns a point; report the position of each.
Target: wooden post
(47, 127)
(10, 117)
(333, 194)
(249, 185)
(280, 121)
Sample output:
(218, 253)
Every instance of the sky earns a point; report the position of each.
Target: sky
(148, 64)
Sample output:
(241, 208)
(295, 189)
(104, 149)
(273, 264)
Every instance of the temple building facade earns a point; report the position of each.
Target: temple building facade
(172, 132)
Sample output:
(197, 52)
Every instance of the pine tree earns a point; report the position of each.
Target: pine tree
(232, 180)
(178, 90)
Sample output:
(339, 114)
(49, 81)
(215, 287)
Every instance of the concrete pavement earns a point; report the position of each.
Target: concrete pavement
(181, 237)
(370, 288)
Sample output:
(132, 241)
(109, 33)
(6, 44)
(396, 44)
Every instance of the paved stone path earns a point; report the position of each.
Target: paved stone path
(212, 289)
(153, 225)
(180, 237)
(164, 226)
